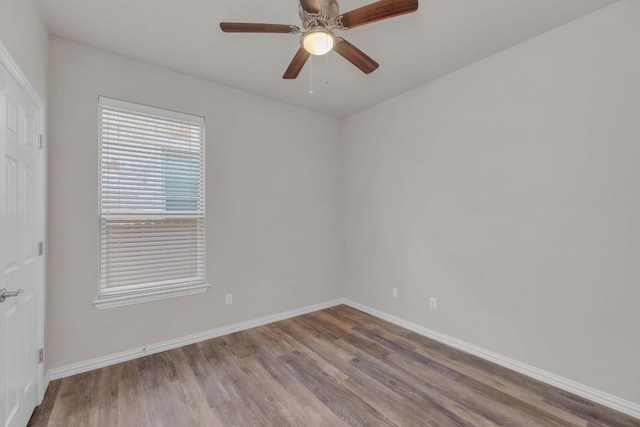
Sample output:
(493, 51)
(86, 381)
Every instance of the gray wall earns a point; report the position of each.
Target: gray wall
(24, 34)
(272, 206)
(510, 190)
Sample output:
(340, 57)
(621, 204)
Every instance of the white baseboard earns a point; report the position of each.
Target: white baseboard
(112, 359)
(590, 393)
(614, 402)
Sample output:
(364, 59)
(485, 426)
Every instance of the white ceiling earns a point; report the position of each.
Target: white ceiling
(444, 35)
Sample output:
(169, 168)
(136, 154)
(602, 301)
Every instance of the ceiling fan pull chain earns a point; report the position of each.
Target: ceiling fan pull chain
(311, 75)
(327, 66)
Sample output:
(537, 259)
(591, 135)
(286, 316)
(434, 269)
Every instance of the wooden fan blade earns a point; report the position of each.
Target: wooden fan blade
(244, 27)
(311, 6)
(377, 11)
(355, 56)
(296, 64)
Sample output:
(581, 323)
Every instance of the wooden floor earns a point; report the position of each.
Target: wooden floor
(333, 367)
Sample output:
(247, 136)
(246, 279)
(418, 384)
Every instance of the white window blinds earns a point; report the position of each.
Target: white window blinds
(152, 198)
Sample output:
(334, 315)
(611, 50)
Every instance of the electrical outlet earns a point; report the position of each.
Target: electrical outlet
(433, 303)
(229, 299)
(395, 292)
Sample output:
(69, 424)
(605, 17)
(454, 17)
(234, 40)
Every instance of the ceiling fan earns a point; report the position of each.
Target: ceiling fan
(319, 19)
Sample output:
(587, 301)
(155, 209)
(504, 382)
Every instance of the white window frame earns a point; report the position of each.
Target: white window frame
(136, 294)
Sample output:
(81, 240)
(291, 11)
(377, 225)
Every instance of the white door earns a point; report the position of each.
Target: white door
(20, 204)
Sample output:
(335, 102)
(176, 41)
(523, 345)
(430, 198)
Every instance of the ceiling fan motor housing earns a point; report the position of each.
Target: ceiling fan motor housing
(326, 17)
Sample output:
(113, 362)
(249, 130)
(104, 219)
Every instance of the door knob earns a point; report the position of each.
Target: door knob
(4, 294)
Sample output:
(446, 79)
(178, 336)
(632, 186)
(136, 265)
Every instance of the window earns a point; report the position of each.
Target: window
(152, 204)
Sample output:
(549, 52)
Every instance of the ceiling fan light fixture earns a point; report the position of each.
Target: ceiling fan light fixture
(318, 41)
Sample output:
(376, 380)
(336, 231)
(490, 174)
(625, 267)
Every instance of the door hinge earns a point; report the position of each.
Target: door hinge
(40, 141)
(41, 355)
(40, 248)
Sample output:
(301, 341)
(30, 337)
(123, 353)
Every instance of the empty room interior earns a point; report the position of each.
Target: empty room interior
(319, 213)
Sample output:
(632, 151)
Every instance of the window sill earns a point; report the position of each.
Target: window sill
(119, 300)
